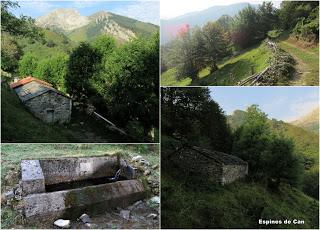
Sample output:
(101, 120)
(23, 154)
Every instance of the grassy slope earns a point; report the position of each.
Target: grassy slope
(42, 51)
(230, 71)
(138, 27)
(238, 205)
(307, 61)
(13, 154)
(18, 125)
(306, 142)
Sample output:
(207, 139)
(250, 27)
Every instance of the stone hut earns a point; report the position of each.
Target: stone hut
(43, 101)
(217, 167)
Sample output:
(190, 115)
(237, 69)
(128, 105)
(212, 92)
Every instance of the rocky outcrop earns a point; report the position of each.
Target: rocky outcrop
(63, 19)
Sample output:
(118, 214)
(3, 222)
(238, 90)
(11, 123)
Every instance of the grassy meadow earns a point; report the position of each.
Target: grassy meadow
(237, 204)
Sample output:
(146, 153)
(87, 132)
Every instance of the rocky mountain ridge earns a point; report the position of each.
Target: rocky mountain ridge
(83, 28)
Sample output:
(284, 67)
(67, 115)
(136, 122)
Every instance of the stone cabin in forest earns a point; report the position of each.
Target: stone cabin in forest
(216, 166)
(43, 101)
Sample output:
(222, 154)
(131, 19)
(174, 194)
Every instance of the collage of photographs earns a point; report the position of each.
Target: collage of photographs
(159, 114)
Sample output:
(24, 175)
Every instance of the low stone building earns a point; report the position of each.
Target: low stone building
(216, 166)
(43, 101)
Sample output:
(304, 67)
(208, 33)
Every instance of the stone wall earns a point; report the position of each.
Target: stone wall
(233, 172)
(74, 202)
(51, 107)
(197, 164)
(214, 169)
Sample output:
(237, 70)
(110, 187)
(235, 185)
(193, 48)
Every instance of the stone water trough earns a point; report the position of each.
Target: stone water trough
(69, 187)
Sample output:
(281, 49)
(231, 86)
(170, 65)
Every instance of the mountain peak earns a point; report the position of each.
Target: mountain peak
(99, 16)
(62, 18)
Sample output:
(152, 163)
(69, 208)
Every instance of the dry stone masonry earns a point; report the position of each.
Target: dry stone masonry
(43, 101)
(216, 166)
(279, 71)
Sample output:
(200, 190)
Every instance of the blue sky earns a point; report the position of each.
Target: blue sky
(147, 11)
(281, 103)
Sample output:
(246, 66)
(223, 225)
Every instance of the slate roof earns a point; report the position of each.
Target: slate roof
(219, 157)
(30, 87)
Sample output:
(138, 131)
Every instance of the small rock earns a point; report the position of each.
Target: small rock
(81, 123)
(18, 197)
(144, 162)
(136, 158)
(125, 214)
(155, 199)
(9, 194)
(147, 172)
(85, 218)
(137, 203)
(18, 190)
(89, 225)
(132, 207)
(152, 216)
(155, 166)
(61, 223)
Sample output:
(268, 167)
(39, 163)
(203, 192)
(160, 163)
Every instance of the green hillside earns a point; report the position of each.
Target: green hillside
(51, 44)
(306, 142)
(234, 205)
(230, 71)
(139, 28)
(292, 59)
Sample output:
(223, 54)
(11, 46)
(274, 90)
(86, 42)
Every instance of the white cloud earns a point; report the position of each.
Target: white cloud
(146, 11)
(303, 106)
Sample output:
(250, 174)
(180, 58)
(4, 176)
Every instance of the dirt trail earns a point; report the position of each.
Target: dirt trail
(303, 68)
(301, 71)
